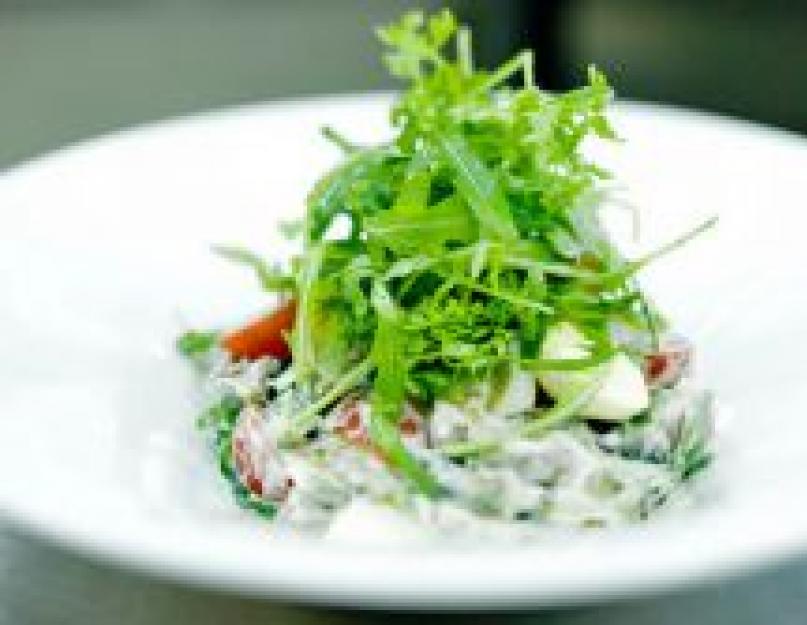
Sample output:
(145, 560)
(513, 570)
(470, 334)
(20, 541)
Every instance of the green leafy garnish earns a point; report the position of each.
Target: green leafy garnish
(221, 418)
(692, 451)
(470, 233)
(195, 343)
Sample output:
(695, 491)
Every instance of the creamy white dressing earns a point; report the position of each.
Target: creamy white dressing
(338, 487)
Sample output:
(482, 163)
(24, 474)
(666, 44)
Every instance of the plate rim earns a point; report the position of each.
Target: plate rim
(127, 557)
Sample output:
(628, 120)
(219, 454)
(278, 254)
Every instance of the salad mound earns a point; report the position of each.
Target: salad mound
(459, 346)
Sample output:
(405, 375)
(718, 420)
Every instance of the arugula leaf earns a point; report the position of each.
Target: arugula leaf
(303, 336)
(407, 231)
(478, 187)
(331, 195)
(389, 392)
(388, 356)
(387, 439)
(414, 41)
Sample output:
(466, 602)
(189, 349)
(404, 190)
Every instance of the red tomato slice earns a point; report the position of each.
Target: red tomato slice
(265, 336)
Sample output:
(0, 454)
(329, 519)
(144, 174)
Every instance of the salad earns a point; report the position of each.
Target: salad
(459, 348)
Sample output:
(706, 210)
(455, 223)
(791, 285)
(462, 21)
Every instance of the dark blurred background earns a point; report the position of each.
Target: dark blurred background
(74, 68)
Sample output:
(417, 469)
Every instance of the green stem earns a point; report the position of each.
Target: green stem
(520, 63)
(465, 58)
(559, 414)
(465, 449)
(570, 364)
(529, 69)
(640, 263)
(339, 140)
(306, 419)
(563, 411)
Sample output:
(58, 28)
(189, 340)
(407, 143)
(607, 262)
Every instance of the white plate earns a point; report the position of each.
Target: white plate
(105, 257)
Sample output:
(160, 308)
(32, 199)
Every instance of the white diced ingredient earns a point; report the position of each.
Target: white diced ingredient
(623, 392)
(448, 423)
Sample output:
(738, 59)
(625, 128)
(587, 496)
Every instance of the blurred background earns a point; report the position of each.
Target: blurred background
(70, 69)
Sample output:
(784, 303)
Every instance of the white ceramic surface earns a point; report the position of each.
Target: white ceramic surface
(104, 257)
